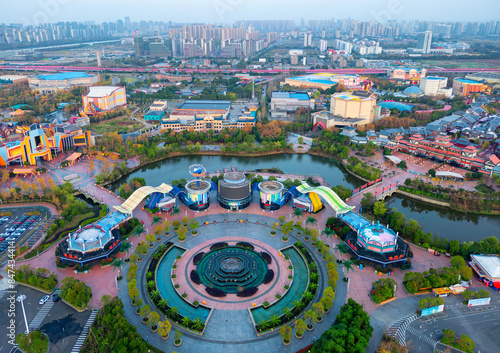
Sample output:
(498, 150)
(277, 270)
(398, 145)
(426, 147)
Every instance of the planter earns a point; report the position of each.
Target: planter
(306, 238)
(309, 327)
(313, 244)
(194, 233)
(153, 329)
(273, 235)
(151, 246)
(177, 342)
(145, 320)
(158, 239)
(284, 239)
(182, 240)
(299, 234)
(299, 337)
(167, 234)
(286, 343)
(137, 312)
(319, 319)
(139, 259)
(165, 337)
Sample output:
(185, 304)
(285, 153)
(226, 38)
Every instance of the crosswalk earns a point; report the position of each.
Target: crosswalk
(40, 316)
(83, 336)
(423, 337)
(398, 329)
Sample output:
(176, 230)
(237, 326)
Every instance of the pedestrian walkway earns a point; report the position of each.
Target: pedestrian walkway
(398, 329)
(83, 336)
(40, 316)
(423, 337)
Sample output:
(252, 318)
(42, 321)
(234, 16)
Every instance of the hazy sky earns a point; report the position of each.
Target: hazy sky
(228, 11)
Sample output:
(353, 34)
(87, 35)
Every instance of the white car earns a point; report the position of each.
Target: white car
(44, 299)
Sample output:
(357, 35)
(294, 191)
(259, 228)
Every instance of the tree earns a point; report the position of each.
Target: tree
(166, 227)
(281, 220)
(319, 310)
(158, 230)
(117, 264)
(153, 318)
(182, 232)
(144, 311)
(350, 332)
(164, 328)
(311, 220)
(175, 211)
(341, 248)
(457, 261)
(287, 228)
(310, 318)
(379, 208)
(156, 220)
(150, 238)
(329, 232)
(300, 327)
(348, 266)
(193, 225)
(297, 212)
(138, 231)
(185, 221)
(286, 334)
(432, 172)
(126, 246)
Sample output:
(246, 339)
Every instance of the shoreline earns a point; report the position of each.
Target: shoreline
(341, 164)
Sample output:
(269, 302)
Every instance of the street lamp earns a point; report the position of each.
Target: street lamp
(21, 299)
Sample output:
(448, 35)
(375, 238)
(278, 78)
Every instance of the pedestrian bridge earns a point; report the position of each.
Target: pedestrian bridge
(138, 195)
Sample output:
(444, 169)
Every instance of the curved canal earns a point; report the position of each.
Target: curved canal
(442, 222)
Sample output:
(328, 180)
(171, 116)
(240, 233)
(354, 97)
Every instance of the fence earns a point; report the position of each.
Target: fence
(367, 185)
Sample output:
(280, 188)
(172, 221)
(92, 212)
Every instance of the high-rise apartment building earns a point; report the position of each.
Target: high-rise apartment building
(424, 41)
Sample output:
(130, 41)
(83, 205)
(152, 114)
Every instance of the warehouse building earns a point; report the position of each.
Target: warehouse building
(47, 84)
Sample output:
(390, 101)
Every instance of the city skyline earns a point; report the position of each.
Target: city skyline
(230, 11)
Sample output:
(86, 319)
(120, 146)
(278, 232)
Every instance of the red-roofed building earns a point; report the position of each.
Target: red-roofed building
(444, 150)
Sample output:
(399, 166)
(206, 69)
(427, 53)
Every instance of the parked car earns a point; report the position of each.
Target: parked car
(10, 239)
(44, 300)
(21, 229)
(11, 229)
(55, 297)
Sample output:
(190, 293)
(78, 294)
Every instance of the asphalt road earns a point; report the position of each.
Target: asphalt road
(62, 324)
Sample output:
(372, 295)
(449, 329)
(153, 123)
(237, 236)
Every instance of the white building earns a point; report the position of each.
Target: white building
(323, 45)
(434, 86)
(424, 41)
(343, 46)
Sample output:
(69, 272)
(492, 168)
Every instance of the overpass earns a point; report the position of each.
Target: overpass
(52, 68)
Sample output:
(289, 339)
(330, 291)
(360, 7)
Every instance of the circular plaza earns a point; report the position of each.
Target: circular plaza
(233, 284)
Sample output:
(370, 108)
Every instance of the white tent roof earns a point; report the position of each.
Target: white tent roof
(101, 91)
(489, 263)
(393, 159)
(449, 175)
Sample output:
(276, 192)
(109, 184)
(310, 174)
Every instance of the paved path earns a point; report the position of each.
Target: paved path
(85, 332)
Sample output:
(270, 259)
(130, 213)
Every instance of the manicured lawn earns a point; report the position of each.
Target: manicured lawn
(120, 124)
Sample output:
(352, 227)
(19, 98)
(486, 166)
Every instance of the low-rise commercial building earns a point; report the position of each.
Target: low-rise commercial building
(101, 99)
(434, 86)
(46, 84)
(357, 105)
(406, 75)
(285, 104)
(464, 87)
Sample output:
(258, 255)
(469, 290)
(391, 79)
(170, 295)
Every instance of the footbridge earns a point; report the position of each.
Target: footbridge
(138, 195)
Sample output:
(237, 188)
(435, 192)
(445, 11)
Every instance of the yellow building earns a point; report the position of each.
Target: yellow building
(357, 105)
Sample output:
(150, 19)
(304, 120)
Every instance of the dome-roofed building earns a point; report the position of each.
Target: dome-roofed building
(413, 92)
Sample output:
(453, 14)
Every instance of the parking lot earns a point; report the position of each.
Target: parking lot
(61, 323)
(15, 223)
(18, 226)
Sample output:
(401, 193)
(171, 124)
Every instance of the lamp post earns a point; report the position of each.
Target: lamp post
(21, 299)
